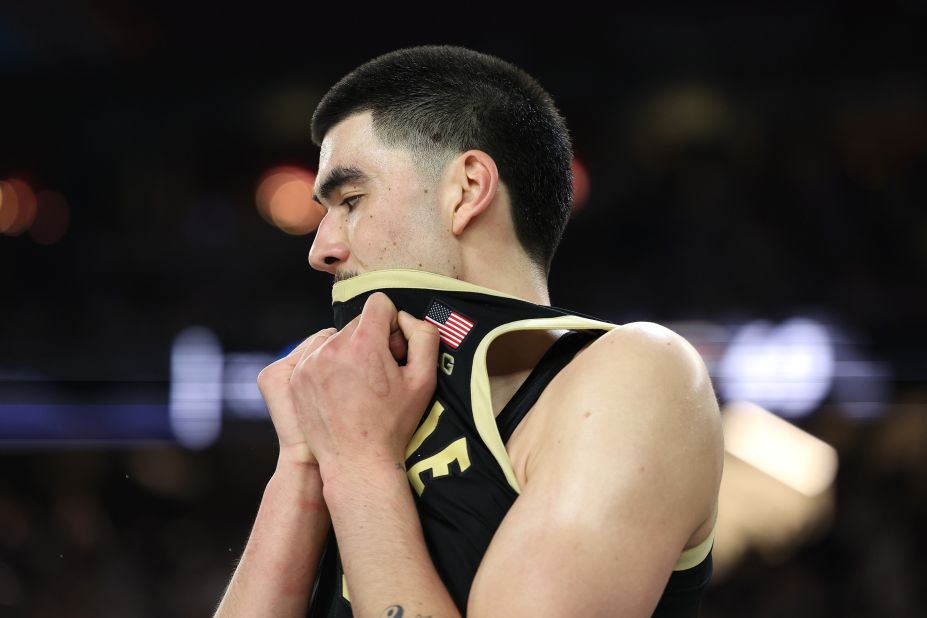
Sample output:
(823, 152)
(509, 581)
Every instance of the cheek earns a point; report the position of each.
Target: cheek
(381, 239)
(399, 232)
(400, 240)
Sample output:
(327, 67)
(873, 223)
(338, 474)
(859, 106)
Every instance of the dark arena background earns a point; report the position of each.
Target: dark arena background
(755, 179)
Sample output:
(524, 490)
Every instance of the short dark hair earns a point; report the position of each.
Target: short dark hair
(438, 101)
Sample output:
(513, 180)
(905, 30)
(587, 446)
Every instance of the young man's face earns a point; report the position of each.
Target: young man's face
(379, 212)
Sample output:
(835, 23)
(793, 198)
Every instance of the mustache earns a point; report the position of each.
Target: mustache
(344, 274)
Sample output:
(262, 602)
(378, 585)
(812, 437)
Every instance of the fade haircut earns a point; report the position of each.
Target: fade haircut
(439, 101)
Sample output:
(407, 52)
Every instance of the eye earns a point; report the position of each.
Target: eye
(350, 202)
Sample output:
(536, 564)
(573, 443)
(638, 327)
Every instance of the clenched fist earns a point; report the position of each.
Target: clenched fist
(274, 384)
(355, 403)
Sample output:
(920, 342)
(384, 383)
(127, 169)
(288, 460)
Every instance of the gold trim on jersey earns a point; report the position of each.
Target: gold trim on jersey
(694, 555)
(405, 278)
(480, 400)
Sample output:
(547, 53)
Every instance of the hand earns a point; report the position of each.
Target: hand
(357, 406)
(274, 384)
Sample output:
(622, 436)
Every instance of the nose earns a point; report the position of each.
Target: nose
(329, 251)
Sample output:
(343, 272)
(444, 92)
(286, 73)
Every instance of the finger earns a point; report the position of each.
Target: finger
(321, 338)
(279, 371)
(397, 341)
(378, 318)
(347, 331)
(422, 357)
(310, 345)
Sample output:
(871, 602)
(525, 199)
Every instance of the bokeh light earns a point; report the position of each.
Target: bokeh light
(196, 387)
(778, 448)
(8, 206)
(284, 199)
(53, 214)
(787, 368)
(580, 184)
(17, 206)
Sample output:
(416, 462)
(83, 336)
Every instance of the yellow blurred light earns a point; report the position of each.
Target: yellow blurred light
(778, 448)
(757, 513)
(776, 491)
(284, 199)
(51, 219)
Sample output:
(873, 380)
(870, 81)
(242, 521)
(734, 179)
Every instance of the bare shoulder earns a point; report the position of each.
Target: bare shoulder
(639, 358)
(640, 387)
(646, 342)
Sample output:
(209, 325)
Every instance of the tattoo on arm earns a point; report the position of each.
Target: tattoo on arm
(396, 611)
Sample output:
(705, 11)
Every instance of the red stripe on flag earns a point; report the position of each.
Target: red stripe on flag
(457, 321)
(456, 329)
(460, 318)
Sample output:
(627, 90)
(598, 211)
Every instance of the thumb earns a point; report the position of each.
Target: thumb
(422, 356)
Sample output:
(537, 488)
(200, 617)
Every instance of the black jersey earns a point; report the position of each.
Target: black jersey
(459, 472)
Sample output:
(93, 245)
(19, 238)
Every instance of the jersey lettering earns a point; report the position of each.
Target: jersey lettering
(439, 464)
(425, 429)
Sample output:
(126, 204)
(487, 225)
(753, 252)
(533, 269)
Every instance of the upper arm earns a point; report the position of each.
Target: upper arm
(626, 468)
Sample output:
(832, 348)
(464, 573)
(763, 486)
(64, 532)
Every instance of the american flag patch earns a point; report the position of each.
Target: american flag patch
(452, 326)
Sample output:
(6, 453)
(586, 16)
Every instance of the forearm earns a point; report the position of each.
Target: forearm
(383, 551)
(278, 567)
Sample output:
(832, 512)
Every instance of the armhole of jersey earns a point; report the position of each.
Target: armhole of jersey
(694, 555)
(480, 399)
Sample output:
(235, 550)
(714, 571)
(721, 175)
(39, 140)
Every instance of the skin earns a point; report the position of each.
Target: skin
(619, 460)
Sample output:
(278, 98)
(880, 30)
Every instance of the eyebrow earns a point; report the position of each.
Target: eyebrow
(336, 177)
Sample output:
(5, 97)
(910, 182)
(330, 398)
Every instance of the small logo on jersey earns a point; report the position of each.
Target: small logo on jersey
(447, 363)
(452, 326)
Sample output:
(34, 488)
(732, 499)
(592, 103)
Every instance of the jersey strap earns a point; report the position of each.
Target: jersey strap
(556, 358)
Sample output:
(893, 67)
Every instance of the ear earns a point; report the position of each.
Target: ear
(475, 180)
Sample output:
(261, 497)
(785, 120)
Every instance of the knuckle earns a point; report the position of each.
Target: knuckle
(363, 333)
(301, 369)
(326, 353)
(266, 376)
(312, 341)
(380, 298)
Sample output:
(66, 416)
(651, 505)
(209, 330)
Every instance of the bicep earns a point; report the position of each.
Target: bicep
(548, 561)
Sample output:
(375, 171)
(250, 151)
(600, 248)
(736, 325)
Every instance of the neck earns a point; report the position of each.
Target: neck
(512, 356)
(523, 280)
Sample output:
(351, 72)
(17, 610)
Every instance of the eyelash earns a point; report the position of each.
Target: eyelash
(347, 201)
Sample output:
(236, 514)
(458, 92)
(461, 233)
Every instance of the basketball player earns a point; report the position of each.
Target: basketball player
(456, 445)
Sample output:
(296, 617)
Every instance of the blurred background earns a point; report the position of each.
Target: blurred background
(753, 178)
